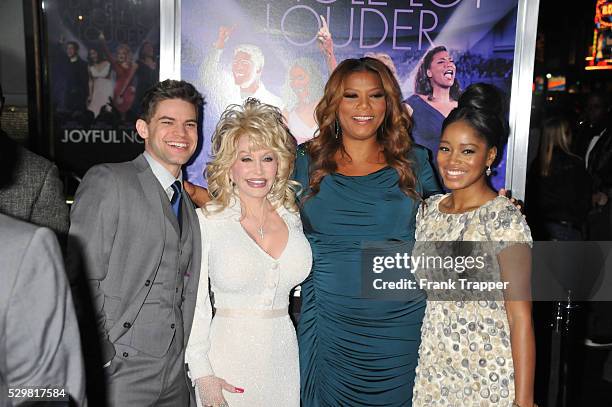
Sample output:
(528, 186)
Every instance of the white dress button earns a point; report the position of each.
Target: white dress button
(274, 266)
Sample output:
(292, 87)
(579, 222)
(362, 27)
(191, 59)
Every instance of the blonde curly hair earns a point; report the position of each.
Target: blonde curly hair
(265, 128)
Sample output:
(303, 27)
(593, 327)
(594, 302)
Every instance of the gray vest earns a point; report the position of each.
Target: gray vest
(159, 323)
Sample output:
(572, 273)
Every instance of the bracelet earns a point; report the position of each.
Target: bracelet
(515, 404)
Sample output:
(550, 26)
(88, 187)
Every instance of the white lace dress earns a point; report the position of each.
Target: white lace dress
(251, 341)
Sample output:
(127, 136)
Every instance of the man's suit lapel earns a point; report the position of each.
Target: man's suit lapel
(190, 217)
(192, 277)
(147, 180)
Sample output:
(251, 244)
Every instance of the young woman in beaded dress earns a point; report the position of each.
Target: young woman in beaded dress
(476, 353)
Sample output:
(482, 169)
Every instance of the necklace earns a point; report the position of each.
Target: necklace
(260, 229)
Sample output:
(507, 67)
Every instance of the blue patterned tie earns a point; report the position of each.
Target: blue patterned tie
(176, 202)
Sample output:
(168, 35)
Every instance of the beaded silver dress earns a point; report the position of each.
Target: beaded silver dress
(465, 357)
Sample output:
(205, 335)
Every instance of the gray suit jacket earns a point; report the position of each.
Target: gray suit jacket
(39, 337)
(33, 191)
(117, 224)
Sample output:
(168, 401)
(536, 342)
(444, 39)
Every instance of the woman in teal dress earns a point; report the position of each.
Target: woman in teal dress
(363, 181)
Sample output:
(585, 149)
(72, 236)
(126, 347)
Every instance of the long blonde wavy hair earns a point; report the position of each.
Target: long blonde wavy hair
(265, 128)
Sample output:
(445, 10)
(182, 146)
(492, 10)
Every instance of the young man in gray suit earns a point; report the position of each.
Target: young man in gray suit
(139, 238)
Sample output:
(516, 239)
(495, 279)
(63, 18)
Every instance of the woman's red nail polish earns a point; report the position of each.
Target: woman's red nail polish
(239, 390)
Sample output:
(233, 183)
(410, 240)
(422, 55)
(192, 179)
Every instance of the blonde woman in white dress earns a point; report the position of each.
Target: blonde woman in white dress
(254, 252)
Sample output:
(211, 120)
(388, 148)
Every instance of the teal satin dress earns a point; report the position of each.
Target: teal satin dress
(356, 351)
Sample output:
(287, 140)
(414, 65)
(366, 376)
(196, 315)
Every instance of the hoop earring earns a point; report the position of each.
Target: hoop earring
(488, 171)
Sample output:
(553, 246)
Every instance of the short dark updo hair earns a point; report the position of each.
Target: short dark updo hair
(483, 107)
(169, 89)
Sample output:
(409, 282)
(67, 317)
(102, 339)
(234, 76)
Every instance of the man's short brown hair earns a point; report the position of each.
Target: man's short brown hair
(169, 89)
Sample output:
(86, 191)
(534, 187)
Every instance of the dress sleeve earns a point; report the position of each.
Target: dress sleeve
(196, 354)
(109, 55)
(512, 245)
(426, 176)
(508, 225)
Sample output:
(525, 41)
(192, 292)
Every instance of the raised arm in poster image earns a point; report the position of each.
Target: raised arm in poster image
(326, 46)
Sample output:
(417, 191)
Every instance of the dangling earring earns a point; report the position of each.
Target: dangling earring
(488, 171)
(337, 128)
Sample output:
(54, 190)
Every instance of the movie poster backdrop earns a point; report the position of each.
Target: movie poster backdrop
(102, 56)
(270, 50)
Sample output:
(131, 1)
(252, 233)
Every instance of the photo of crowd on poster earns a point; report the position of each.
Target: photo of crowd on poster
(103, 56)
